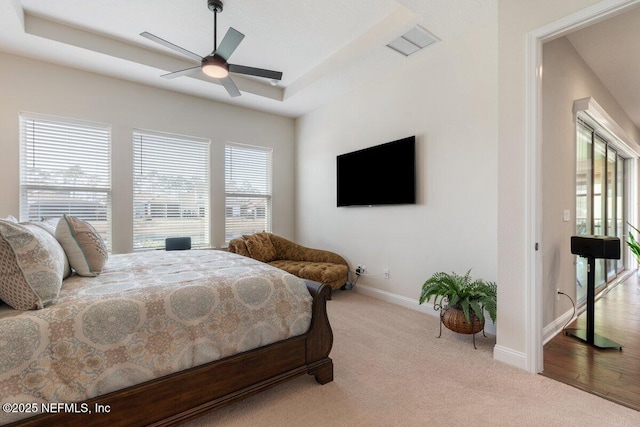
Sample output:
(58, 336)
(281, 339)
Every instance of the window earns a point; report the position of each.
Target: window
(170, 189)
(248, 171)
(65, 168)
(600, 200)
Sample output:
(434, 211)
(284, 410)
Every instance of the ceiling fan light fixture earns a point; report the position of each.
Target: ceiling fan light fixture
(214, 66)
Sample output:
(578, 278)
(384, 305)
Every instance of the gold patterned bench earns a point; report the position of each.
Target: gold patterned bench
(312, 264)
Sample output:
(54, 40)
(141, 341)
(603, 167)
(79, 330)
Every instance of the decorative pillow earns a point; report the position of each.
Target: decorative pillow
(49, 225)
(49, 228)
(83, 245)
(31, 266)
(260, 247)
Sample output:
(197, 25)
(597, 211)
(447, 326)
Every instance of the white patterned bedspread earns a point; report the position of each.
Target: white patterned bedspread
(147, 315)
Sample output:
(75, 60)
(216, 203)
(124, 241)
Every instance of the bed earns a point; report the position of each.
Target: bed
(159, 338)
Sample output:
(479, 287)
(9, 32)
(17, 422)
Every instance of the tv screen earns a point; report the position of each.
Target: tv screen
(380, 175)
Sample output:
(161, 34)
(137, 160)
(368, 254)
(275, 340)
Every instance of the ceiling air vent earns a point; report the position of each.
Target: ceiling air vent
(412, 41)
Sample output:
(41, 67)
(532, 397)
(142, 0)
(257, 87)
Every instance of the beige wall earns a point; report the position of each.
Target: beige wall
(37, 87)
(446, 96)
(566, 77)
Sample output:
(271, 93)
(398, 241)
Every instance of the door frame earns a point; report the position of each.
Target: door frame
(533, 122)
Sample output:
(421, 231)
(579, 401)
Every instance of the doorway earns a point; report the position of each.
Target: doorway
(540, 294)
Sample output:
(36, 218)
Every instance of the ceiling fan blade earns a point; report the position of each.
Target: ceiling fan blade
(230, 86)
(260, 72)
(229, 43)
(171, 46)
(185, 72)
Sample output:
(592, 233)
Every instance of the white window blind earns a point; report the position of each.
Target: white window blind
(65, 168)
(170, 189)
(248, 172)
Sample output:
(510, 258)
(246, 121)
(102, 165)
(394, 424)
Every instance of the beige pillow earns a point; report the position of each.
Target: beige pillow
(260, 247)
(83, 245)
(49, 226)
(31, 266)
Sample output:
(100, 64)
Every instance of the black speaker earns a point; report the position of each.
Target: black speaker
(177, 243)
(596, 246)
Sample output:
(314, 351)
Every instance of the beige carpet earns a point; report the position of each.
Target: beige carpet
(391, 370)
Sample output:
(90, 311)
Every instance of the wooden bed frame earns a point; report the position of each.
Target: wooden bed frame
(185, 395)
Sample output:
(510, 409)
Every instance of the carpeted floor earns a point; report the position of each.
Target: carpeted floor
(391, 370)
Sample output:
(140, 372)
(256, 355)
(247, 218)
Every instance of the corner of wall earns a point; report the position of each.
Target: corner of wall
(511, 357)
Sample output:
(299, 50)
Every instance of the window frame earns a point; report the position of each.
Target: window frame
(59, 153)
(265, 193)
(191, 167)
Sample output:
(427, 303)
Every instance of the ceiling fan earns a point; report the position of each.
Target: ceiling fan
(215, 64)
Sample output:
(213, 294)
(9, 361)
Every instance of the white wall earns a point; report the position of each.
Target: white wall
(446, 95)
(566, 78)
(37, 87)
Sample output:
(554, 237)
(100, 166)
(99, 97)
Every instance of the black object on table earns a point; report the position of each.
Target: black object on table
(177, 243)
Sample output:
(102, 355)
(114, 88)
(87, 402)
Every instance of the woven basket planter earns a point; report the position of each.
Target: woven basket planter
(454, 320)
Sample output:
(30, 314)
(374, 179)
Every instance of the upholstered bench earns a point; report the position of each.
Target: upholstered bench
(307, 263)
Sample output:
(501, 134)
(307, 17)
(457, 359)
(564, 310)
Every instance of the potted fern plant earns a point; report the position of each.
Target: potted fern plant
(461, 300)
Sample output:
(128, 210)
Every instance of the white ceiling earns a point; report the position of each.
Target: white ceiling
(324, 48)
(611, 48)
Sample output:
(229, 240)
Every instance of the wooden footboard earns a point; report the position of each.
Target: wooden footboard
(185, 395)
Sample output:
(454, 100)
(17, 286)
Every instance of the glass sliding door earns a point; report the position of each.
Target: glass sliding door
(599, 186)
(600, 201)
(611, 216)
(584, 201)
(620, 208)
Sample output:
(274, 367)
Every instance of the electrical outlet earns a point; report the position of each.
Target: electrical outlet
(363, 269)
(386, 273)
(558, 294)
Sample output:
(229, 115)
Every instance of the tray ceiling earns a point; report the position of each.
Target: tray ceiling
(323, 48)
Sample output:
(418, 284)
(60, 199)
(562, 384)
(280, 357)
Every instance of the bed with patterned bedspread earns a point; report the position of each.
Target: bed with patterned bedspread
(146, 316)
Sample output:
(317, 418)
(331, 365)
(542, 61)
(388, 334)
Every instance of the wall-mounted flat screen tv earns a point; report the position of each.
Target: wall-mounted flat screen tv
(381, 175)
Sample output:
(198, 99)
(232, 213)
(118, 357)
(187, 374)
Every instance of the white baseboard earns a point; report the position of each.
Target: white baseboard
(489, 327)
(555, 327)
(510, 356)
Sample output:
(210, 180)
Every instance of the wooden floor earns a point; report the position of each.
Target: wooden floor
(611, 374)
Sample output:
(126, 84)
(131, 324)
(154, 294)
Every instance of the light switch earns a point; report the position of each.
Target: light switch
(566, 215)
